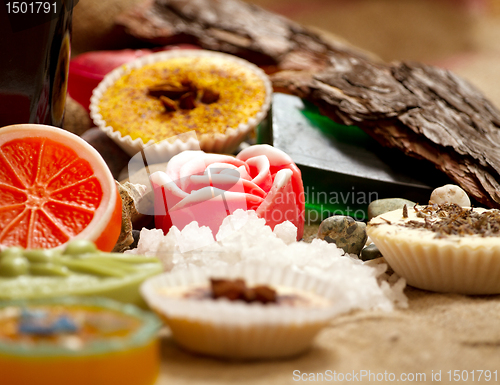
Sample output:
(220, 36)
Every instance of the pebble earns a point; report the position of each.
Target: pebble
(382, 206)
(136, 234)
(450, 193)
(370, 252)
(345, 232)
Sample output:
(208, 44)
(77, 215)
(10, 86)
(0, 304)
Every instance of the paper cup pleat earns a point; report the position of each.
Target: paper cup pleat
(441, 266)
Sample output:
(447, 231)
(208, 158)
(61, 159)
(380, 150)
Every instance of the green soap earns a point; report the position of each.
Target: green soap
(128, 258)
(13, 265)
(93, 268)
(80, 246)
(11, 251)
(34, 274)
(40, 255)
(49, 269)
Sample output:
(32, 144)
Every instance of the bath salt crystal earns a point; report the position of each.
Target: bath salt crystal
(156, 244)
(193, 237)
(237, 221)
(286, 231)
(244, 237)
(154, 238)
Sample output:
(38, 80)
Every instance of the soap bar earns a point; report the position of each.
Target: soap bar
(77, 341)
(343, 168)
(78, 270)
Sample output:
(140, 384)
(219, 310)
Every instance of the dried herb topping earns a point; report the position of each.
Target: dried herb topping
(185, 92)
(450, 219)
(237, 290)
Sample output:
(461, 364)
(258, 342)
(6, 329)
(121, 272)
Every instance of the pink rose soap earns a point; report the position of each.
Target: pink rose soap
(206, 188)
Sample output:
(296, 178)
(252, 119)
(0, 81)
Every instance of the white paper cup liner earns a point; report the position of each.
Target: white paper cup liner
(219, 142)
(441, 265)
(234, 329)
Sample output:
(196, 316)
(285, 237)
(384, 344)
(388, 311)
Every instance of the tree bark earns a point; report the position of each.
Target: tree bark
(424, 111)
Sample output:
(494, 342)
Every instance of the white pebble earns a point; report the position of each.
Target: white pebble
(450, 193)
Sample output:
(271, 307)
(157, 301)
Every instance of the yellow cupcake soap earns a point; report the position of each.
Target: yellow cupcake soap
(217, 96)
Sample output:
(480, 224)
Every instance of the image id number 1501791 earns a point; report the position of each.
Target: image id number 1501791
(472, 375)
(34, 7)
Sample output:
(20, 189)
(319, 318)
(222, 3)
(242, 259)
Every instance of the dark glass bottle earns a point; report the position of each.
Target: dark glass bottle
(34, 61)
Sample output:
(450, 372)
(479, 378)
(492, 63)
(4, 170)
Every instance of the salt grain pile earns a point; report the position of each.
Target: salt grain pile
(243, 237)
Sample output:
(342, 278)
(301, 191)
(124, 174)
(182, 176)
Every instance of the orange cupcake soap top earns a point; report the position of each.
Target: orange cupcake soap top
(69, 326)
(167, 98)
(57, 342)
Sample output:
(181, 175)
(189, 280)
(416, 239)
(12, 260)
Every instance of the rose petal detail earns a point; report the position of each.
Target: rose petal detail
(280, 203)
(167, 193)
(243, 172)
(174, 165)
(260, 171)
(198, 165)
(278, 161)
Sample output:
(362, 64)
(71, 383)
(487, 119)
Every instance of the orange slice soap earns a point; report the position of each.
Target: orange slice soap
(54, 187)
